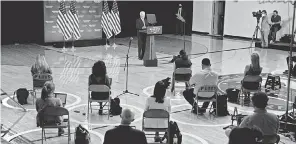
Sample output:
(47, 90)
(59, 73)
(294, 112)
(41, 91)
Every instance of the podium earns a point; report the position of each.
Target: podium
(150, 59)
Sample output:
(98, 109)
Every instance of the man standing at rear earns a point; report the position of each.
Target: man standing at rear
(141, 24)
(180, 24)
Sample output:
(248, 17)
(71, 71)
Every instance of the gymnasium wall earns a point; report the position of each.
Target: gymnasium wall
(239, 20)
(89, 15)
(202, 16)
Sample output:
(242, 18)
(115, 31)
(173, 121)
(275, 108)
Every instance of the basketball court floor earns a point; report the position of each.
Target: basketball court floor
(72, 68)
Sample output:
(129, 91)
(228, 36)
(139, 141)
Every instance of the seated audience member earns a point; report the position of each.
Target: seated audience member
(48, 99)
(251, 79)
(204, 77)
(254, 68)
(99, 77)
(293, 68)
(40, 66)
(157, 101)
(244, 136)
(124, 134)
(267, 122)
(182, 60)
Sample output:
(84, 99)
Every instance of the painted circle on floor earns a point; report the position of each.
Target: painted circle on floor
(78, 117)
(184, 116)
(10, 138)
(71, 98)
(277, 102)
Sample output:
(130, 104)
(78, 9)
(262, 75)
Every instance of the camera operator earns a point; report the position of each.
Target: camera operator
(265, 29)
(182, 60)
(276, 25)
(267, 122)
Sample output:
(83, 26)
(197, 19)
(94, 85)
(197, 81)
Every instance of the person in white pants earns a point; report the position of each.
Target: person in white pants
(265, 28)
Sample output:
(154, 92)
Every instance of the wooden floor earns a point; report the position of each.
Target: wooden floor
(71, 71)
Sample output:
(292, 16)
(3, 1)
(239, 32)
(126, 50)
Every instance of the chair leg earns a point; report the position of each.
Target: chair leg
(108, 110)
(69, 134)
(42, 136)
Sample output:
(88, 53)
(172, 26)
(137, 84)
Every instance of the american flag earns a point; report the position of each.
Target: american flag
(105, 21)
(114, 19)
(73, 20)
(63, 20)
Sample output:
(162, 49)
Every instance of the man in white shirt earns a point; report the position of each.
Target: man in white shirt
(204, 77)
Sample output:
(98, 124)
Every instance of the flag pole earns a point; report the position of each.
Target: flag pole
(73, 49)
(64, 45)
(114, 45)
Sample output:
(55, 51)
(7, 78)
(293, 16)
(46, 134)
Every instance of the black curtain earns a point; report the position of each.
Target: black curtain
(21, 22)
(164, 10)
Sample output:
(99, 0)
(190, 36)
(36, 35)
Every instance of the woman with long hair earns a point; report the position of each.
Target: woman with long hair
(40, 66)
(157, 101)
(252, 78)
(48, 99)
(254, 68)
(99, 77)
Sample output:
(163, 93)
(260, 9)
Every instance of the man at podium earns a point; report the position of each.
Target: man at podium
(141, 24)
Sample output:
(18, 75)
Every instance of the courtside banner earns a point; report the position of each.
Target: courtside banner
(89, 16)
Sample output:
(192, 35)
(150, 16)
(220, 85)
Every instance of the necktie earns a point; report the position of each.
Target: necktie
(143, 22)
(179, 11)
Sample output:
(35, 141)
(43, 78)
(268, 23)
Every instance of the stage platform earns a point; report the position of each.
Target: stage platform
(71, 70)
(282, 46)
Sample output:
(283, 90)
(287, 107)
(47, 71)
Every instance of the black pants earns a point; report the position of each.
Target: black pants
(189, 96)
(293, 60)
(179, 27)
(273, 31)
(141, 45)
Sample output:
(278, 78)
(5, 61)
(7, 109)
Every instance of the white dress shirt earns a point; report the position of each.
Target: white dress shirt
(204, 77)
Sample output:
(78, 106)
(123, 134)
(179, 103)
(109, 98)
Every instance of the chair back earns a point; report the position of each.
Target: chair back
(183, 71)
(62, 97)
(156, 113)
(40, 79)
(99, 88)
(207, 90)
(54, 111)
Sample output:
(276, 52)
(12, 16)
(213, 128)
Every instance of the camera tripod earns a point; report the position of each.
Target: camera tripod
(255, 34)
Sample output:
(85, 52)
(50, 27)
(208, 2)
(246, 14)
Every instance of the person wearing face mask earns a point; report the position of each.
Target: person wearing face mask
(180, 24)
(141, 24)
(265, 28)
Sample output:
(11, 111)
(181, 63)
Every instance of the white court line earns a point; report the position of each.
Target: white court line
(39, 129)
(203, 141)
(77, 101)
(86, 123)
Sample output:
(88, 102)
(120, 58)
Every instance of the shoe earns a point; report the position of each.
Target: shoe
(100, 112)
(60, 132)
(286, 72)
(194, 111)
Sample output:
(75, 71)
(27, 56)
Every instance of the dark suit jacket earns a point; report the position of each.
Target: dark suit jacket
(140, 24)
(183, 14)
(125, 135)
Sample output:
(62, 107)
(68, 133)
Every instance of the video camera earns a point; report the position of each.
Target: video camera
(166, 82)
(257, 14)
